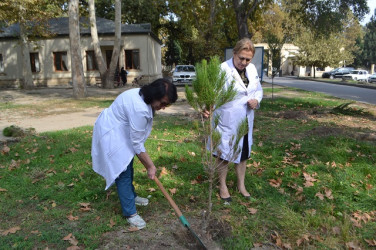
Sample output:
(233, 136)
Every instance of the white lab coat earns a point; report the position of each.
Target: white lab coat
(233, 113)
(119, 133)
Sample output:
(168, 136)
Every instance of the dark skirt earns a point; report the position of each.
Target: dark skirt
(245, 149)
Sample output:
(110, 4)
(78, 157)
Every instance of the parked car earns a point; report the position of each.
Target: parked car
(337, 73)
(372, 78)
(183, 74)
(357, 75)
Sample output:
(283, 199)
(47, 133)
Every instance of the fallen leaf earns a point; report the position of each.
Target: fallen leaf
(132, 229)
(193, 182)
(275, 183)
(73, 248)
(151, 189)
(320, 195)
(72, 240)
(277, 238)
(371, 243)
(112, 223)
(12, 230)
(328, 193)
(72, 218)
(85, 207)
(252, 210)
(336, 230)
(192, 153)
(5, 150)
(163, 172)
(3, 190)
(172, 191)
(352, 246)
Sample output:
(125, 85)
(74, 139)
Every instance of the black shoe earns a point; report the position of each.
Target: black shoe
(227, 200)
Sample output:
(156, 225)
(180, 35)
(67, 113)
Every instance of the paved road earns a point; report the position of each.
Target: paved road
(342, 91)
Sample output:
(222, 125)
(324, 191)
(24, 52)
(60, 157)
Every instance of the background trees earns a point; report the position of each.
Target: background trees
(192, 30)
(31, 15)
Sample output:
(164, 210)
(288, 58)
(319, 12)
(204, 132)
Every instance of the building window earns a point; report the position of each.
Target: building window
(60, 61)
(91, 62)
(1, 63)
(132, 59)
(34, 61)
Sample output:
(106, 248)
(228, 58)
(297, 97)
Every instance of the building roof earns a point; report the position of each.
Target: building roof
(60, 27)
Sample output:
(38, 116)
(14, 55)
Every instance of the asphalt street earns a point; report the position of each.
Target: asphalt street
(367, 95)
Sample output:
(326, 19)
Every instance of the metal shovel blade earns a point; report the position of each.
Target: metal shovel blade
(178, 212)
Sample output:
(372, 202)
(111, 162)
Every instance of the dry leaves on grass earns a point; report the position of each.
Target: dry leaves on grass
(12, 230)
(309, 178)
(371, 243)
(163, 172)
(327, 193)
(85, 207)
(278, 241)
(112, 223)
(252, 210)
(72, 240)
(72, 218)
(359, 217)
(275, 183)
(5, 150)
(172, 191)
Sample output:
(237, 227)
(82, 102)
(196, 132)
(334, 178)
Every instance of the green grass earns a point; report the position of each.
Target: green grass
(45, 178)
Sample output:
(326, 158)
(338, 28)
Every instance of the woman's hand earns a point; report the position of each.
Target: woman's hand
(252, 104)
(205, 113)
(151, 172)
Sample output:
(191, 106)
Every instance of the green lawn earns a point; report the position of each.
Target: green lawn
(312, 182)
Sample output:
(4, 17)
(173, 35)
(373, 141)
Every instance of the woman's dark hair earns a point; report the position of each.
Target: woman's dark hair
(158, 89)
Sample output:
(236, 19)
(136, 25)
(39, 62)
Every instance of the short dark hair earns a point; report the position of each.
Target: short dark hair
(158, 89)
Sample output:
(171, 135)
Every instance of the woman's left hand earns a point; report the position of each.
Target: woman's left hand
(252, 104)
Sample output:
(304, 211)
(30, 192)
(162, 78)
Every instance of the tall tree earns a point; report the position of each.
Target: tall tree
(325, 17)
(107, 75)
(78, 78)
(370, 41)
(32, 16)
(320, 51)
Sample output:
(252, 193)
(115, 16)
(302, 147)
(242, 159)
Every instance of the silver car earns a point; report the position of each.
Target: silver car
(372, 78)
(183, 74)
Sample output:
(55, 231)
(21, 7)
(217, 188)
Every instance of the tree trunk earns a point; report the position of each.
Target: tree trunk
(107, 75)
(116, 51)
(243, 9)
(27, 76)
(78, 79)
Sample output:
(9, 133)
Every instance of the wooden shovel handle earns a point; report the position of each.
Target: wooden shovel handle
(168, 197)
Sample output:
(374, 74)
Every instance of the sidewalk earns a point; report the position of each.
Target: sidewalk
(73, 119)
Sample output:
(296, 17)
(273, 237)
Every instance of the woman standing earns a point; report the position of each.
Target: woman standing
(241, 73)
(119, 134)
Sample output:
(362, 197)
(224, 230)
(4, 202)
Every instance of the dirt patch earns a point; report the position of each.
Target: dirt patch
(172, 235)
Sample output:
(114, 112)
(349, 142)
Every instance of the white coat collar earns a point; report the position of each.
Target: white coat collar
(235, 74)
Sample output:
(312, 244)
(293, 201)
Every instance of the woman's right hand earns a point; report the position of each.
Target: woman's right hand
(205, 113)
(151, 172)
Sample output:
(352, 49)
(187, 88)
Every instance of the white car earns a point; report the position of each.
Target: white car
(357, 75)
(372, 78)
(183, 74)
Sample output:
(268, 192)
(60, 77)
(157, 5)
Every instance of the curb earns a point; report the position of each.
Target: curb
(337, 83)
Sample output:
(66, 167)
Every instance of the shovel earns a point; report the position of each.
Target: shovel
(178, 212)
